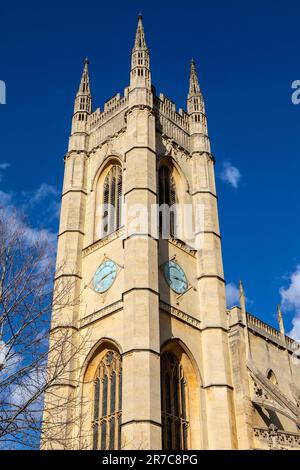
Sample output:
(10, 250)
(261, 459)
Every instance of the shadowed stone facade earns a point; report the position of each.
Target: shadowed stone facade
(236, 380)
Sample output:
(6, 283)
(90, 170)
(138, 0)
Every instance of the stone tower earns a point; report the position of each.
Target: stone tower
(149, 364)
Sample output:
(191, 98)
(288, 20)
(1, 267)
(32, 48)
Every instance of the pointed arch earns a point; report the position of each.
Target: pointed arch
(180, 398)
(168, 199)
(272, 377)
(180, 178)
(175, 418)
(109, 199)
(172, 190)
(110, 159)
(101, 404)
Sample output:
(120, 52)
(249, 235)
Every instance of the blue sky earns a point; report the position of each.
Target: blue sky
(247, 55)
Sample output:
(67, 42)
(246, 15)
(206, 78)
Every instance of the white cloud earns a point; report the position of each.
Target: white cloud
(45, 190)
(290, 299)
(53, 210)
(230, 174)
(4, 166)
(9, 359)
(232, 295)
(3, 354)
(31, 386)
(10, 212)
(13, 211)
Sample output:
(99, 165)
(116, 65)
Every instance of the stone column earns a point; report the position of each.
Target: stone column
(216, 368)
(59, 417)
(141, 412)
(242, 400)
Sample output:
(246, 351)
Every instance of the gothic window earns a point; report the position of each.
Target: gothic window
(112, 200)
(107, 399)
(272, 377)
(175, 424)
(167, 195)
(196, 104)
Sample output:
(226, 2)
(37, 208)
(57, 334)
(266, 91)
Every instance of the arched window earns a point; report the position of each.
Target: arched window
(107, 403)
(167, 196)
(112, 200)
(175, 424)
(272, 377)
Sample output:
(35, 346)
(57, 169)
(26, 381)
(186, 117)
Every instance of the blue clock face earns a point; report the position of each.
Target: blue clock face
(105, 276)
(175, 277)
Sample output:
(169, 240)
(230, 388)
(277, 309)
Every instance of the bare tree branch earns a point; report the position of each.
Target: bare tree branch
(27, 339)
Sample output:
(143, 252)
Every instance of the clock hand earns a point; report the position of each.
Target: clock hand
(106, 276)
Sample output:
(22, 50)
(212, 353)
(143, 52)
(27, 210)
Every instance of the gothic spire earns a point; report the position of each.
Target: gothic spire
(195, 102)
(83, 100)
(194, 89)
(84, 86)
(140, 41)
(196, 110)
(140, 76)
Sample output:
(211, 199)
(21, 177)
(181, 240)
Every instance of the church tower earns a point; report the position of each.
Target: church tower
(139, 243)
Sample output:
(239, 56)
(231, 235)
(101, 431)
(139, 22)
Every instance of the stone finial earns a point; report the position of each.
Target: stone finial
(242, 298)
(280, 320)
(244, 318)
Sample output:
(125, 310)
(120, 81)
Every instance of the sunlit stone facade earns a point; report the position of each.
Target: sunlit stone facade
(162, 364)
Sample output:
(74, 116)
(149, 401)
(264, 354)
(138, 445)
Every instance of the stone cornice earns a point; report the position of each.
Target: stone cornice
(76, 151)
(270, 333)
(70, 231)
(204, 192)
(215, 276)
(103, 312)
(140, 107)
(183, 246)
(74, 191)
(210, 232)
(179, 314)
(204, 152)
(140, 147)
(102, 242)
(277, 439)
(107, 139)
(140, 189)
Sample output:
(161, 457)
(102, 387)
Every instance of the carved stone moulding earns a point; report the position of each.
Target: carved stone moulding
(179, 314)
(103, 312)
(104, 241)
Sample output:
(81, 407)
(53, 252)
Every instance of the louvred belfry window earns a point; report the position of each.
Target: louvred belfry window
(175, 424)
(167, 195)
(112, 200)
(107, 410)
